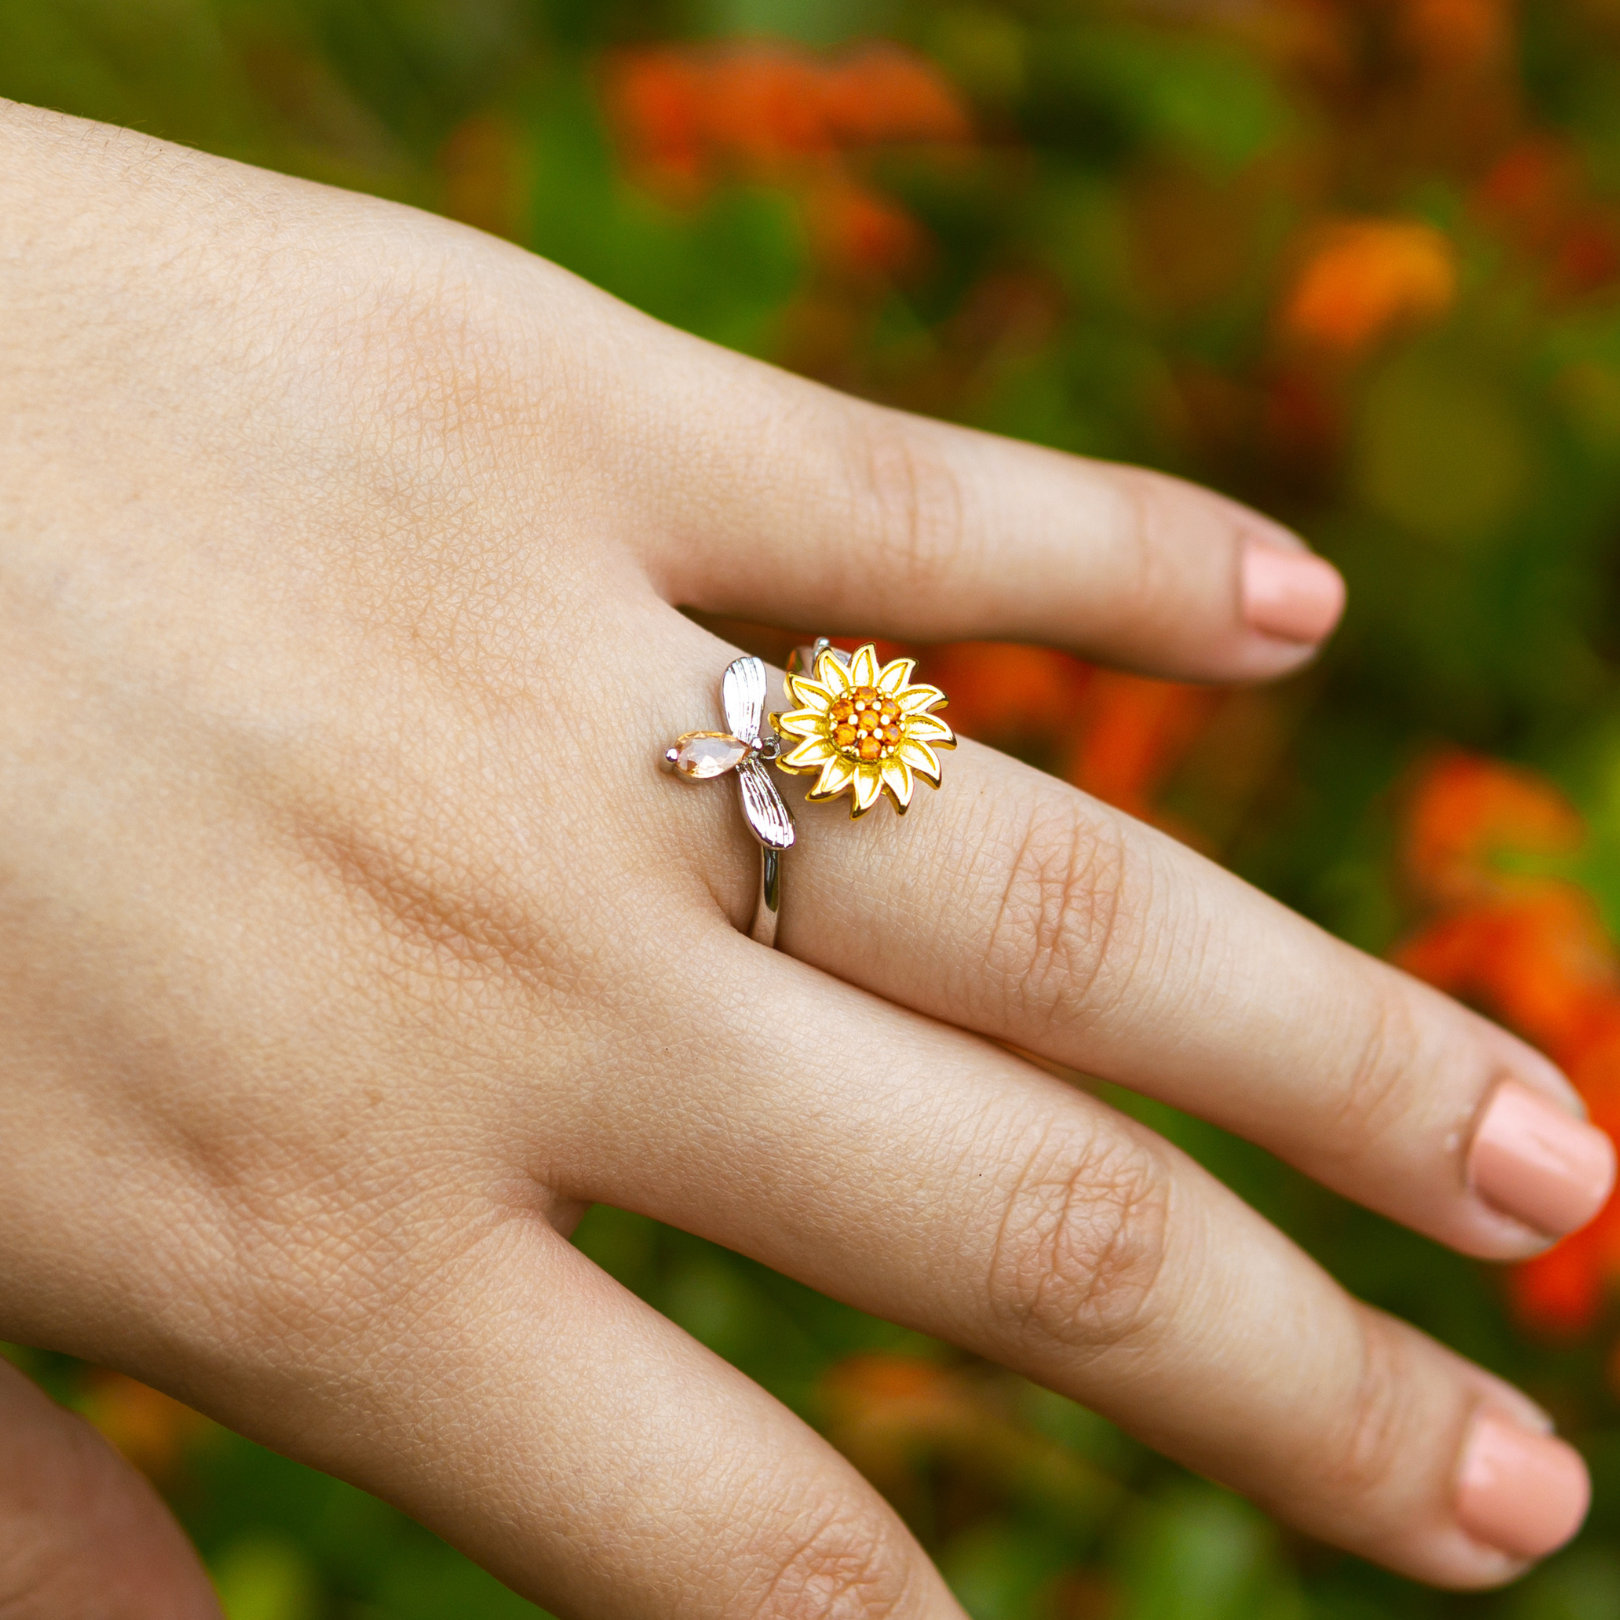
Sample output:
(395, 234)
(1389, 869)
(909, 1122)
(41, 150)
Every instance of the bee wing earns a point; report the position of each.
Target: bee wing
(770, 819)
(742, 691)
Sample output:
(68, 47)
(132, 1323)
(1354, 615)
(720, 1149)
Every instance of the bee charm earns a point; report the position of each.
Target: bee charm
(701, 756)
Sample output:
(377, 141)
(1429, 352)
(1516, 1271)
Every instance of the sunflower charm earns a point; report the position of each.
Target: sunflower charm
(864, 729)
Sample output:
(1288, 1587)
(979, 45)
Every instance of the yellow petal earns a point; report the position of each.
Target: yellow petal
(809, 694)
(897, 779)
(925, 728)
(833, 675)
(800, 723)
(811, 752)
(894, 675)
(921, 758)
(916, 699)
(863, 667)
(868, 785)
(834, 778)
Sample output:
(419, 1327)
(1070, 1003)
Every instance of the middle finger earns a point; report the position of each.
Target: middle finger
(1014, 905)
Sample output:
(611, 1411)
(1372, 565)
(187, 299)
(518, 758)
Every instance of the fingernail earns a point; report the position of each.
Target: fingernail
(1289, 594)
(1531, 1160)
(1524, 1494)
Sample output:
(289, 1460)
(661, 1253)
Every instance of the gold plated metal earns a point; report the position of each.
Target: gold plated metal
(860, 727)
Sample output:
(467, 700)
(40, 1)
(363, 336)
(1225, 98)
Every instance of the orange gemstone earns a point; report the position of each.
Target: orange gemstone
(870, 747)
(844, 736)
(703, 755)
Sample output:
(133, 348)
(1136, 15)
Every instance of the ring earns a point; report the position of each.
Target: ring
(701, 756)
(860, 727)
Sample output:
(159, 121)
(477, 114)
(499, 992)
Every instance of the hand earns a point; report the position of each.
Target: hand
(354, 943)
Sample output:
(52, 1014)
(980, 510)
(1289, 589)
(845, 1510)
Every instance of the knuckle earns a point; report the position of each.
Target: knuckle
(1154, 582)
(50, 1516)
(1082, 1242)
(33, 1575)
(852, 1566)
(1063, 929)
(910, 503)
(1370, 1450)
(1374, 1092)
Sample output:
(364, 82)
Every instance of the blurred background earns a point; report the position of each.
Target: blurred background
(1355, 261)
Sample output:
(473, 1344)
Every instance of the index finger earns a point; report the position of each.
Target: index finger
(798, 505)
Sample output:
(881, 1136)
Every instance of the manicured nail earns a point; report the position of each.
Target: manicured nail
(1289, 594)
(1524, 1494)
(1533, 1161)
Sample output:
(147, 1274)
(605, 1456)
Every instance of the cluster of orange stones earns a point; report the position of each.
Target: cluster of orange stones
(866, 724)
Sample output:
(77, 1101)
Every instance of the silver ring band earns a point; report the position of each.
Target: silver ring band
(768, 908)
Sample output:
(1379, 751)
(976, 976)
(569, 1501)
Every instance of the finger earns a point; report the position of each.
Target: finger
(1014, 905)
(923, 1174)
(797, 505)
(81, 1532)
(516, 1400)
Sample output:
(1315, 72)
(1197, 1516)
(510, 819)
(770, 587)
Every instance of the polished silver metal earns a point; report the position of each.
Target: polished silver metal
(743, 692)
(802, 660)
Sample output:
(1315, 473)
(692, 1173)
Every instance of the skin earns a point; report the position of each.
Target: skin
(353, 943)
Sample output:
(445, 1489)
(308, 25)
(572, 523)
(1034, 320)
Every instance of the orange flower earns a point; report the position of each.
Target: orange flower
(1010, 695)
(883, 95)
(765, 106)
(1117, 736)
(1533, 952)
(1540, 961)
(657, 98)
(860, 233)
(1455, 34)
(1135, 733)
(1365, 278)
(1466, 812)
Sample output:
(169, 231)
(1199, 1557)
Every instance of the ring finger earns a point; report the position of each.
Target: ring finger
(921, 1173)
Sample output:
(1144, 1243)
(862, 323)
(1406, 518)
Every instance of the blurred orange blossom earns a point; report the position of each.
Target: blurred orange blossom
(1366, 277)
(1532, 951)
(762, 107)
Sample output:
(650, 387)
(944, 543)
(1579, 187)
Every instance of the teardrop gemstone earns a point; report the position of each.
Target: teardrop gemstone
(701, 755)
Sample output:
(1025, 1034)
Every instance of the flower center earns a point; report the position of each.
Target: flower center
(865, 724)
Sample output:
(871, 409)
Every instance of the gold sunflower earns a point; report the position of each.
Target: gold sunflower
(863, 728)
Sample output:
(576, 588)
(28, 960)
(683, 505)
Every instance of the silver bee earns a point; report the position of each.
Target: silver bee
(702, 755)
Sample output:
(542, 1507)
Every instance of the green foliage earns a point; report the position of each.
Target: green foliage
(260, 1577)
(1112, 88)
(724, 269)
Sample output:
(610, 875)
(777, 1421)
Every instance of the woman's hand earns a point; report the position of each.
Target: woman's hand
(354, 943)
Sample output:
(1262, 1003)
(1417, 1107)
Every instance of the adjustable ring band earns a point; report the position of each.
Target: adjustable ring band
(768, 907)
(746, 751)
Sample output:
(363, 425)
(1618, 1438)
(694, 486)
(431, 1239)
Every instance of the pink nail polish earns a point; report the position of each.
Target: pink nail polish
(1533, 1161)
(1524, 1494)
(1289, 594)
